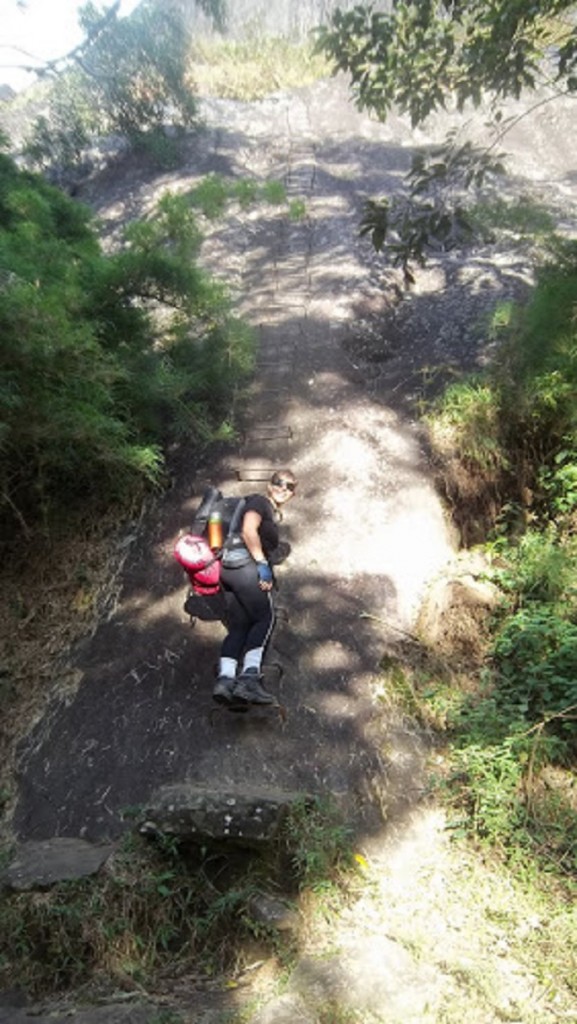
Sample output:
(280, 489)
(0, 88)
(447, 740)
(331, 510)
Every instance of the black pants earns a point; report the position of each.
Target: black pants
(249, 610)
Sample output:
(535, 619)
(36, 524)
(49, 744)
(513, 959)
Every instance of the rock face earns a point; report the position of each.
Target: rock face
(251, 817)
(37, 865)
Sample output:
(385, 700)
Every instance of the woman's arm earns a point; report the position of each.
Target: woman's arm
(250, 535)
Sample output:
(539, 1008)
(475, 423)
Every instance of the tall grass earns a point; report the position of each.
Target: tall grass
(253, 68)
(161, 908)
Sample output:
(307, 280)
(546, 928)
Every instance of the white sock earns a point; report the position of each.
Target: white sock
(253, 659)
(227, 667)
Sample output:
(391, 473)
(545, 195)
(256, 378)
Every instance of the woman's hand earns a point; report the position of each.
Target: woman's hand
(264, 575)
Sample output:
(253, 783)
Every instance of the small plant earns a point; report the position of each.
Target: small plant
(246, 192)
(274, 192)
(468, 413)
(211, 196)
(558, 480)
(153, 907)
(297, 209)
(539, 568)
(494, 777)
(317, 842)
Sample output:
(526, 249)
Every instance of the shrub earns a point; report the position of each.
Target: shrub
(514, 428)
(104, 358)
(535, 658)
(541, 566)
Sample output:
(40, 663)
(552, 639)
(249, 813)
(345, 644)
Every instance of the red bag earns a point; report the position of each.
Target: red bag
(200, 564)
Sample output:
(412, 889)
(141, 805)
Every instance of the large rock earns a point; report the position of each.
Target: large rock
(37, 865)
(250, 817)
(456, 612)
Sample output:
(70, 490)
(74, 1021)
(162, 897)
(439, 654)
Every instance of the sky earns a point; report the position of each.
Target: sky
(45, 29)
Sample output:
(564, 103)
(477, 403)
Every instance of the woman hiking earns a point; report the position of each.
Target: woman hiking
(247, 592)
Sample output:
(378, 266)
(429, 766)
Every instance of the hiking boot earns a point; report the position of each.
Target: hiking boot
(222, 692)
(249, 689)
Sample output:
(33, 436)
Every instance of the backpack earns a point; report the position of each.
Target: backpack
(201, 564)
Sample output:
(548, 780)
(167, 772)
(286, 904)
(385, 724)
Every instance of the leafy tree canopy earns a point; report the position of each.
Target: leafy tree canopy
(424, 51)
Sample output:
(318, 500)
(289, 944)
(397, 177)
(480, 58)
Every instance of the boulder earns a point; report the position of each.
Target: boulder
(37, 865)
(273, 913)
(248, 817)
(456, 612)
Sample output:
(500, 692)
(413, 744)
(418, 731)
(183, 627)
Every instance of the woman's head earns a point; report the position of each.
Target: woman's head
(281, 486)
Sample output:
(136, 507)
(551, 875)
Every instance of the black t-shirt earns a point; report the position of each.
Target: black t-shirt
(268, 529)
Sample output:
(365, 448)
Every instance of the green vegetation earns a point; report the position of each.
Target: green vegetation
(435, 213)
(515, 428)
(523, 216)
(505, 440)
(132, 71)
(215, 193)
(423, 57)
(129, 73)
(254, 68)
(105, 358)
(158, 905)
(512, 731)
(319, 844)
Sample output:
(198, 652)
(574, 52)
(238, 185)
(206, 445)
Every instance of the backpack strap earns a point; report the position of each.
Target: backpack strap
(234, 523)
(209, 499)
(232, 530)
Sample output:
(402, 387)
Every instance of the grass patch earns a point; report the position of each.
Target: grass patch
(161, 908)
(253, 68)
(507, 871)
(506, 752)
(215, 192)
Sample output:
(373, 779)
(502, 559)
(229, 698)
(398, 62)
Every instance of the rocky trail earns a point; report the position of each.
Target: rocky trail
(341, 366)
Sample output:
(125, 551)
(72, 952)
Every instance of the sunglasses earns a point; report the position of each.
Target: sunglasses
(286, 485)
